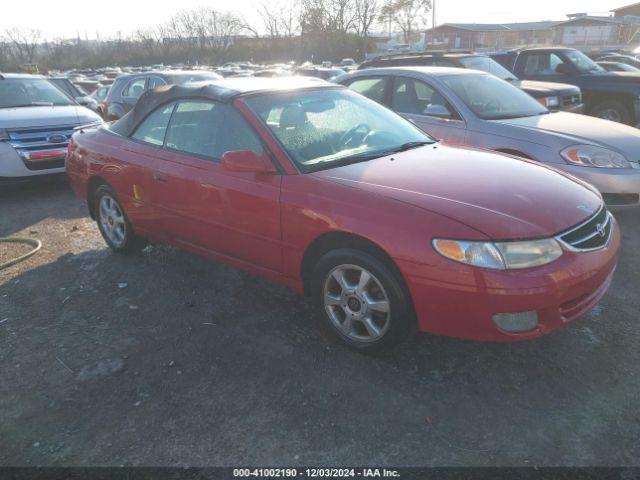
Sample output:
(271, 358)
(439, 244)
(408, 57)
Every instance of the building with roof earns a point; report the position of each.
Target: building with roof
(580, 30)
(628, 10)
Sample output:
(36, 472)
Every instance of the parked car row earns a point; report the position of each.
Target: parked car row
(554, 96)
(501, 231)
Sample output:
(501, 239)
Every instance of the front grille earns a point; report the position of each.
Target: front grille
(41, 148)
(591, 234)
(570, 100)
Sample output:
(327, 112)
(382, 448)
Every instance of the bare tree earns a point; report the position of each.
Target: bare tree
(367, 12)
(24, 44)
(408, 15)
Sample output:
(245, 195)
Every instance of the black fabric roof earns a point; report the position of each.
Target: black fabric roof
(221, 91)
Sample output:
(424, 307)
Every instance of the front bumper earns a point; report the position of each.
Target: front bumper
(12, 166)
(461, 301)
(620, 187)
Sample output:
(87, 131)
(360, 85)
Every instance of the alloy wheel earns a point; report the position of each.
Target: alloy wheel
(112, 221)
(357, 303)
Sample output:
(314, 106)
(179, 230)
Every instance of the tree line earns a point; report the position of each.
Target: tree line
(285, 30)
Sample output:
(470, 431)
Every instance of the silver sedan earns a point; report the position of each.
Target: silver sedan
(474, 109)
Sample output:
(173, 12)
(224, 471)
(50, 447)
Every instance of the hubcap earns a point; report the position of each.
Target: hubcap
(112, 221)
(357, 303)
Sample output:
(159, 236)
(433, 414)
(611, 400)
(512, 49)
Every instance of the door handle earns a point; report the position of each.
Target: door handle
(160, 177)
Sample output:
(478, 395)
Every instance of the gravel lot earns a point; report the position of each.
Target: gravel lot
(167, 359)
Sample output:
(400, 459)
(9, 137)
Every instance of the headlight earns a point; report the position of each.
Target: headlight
(549, 102)
(500, 255)
(592, 156)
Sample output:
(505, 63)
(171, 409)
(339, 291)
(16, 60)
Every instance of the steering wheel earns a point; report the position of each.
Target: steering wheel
(348, 137)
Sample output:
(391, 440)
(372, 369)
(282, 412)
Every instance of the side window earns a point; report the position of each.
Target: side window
(209, 129)
(155, 82)
(154, 127)
(135, 89)
(418, 98)
(372, 88)
(542, 64)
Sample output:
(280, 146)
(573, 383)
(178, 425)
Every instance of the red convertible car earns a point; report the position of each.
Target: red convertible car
(314, 186)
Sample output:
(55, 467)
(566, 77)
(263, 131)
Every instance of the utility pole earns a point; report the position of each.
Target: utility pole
(433, 24)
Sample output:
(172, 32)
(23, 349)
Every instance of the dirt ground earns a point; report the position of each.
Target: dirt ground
(167, 359)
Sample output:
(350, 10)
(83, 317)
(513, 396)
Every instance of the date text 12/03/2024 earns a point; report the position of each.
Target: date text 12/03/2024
(315, 473)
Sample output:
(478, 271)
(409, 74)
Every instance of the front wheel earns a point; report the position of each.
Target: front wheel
(362, 300)
(113, 223)
(612, 110)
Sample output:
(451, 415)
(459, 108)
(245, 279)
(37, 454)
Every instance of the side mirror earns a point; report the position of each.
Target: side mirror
(562, 69)
(247, 161)
(439, 111)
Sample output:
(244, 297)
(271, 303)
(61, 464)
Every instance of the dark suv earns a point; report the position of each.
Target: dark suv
(612, 96)
(127, 89)
(554, 96)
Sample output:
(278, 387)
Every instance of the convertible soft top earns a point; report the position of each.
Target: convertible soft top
(219, 90)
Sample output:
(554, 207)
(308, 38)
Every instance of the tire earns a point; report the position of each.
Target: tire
(113, 223)
(612, 110)
(356, 314)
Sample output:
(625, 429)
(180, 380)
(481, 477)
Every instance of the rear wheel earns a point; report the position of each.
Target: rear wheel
(612, 110)
(113, 223)
(362, 300)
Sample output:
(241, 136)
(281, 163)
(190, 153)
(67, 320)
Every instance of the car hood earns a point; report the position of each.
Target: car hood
(500, 196)
(606, 79)
(534, 87)
(576, 128)
(45, 116)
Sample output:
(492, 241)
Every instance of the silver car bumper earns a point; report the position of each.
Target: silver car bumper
(13, 167)
(620, 187)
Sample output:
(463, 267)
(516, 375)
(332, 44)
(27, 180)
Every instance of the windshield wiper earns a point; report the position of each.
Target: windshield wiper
(365, 157)
(410, 146)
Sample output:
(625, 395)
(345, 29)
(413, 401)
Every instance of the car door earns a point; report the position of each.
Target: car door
(203, 205)
(145, 145)
(546, 66)
(424, 105)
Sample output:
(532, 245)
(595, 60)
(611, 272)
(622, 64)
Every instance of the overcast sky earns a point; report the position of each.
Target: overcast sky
(64, 18)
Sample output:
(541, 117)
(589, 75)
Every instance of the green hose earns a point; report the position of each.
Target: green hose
(34, 242)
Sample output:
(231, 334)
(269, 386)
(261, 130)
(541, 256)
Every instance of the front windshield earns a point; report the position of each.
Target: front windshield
(330, 127)
(583, 63)
(489, 65)
(30, 92)
(491, 98)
